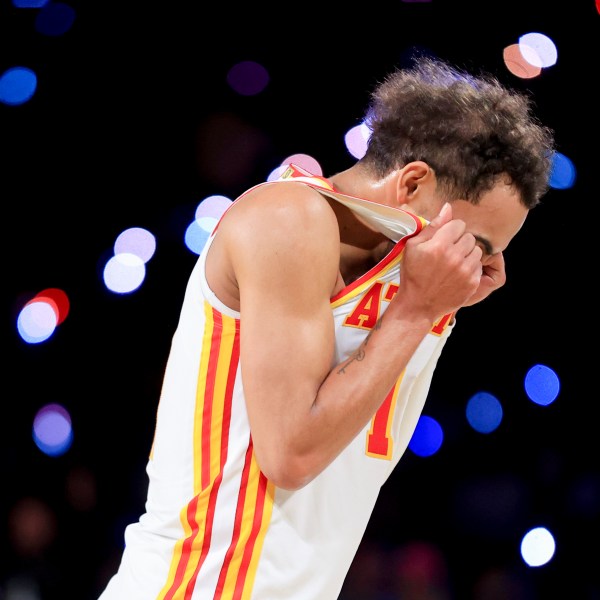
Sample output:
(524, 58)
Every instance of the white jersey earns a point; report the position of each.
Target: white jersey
(215, 527)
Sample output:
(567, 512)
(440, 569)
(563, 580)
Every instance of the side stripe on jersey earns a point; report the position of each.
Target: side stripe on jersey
(218, 367)
(252, 517)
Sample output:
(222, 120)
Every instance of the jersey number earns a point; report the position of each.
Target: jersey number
(379, 443)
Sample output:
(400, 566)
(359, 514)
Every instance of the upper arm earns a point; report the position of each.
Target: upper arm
(283, 247)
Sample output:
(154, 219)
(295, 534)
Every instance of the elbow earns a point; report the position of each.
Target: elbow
(286, 472)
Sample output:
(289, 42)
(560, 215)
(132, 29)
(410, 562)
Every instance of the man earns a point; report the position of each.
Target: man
(308, 337)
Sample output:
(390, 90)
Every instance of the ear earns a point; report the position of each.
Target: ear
(416, 186)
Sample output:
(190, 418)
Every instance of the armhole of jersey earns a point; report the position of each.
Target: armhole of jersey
(207, 292)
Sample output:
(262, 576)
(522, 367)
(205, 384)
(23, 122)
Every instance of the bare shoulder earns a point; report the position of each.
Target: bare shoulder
(290, 205)
(274, 230)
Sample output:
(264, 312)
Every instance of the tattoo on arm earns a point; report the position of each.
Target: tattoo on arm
(360, 352)
(357, 355)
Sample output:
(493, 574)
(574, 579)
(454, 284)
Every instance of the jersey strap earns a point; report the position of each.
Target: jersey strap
(394, 223)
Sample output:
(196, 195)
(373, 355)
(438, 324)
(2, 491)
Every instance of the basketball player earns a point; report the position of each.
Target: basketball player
(309, 334)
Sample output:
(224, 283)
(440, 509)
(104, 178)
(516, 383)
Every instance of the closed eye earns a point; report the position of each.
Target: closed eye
(485, 245)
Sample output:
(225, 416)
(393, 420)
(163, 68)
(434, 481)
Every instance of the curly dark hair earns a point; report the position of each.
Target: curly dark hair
(470, 129)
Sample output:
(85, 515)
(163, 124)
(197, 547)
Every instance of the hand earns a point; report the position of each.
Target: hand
(441, 269)
(493, 276)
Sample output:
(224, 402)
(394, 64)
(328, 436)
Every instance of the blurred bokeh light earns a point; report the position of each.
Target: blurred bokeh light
(162, 117)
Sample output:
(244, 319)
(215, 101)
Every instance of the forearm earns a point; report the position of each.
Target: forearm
(356, 388)
(344, 403)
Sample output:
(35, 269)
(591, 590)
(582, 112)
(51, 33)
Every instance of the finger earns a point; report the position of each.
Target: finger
(495, 270)
(467, 244)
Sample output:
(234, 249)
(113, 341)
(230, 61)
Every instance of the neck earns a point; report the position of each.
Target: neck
(361, 247)
(357, 181)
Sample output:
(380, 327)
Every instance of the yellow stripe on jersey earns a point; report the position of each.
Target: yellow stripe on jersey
(251, 523)
(218, 363)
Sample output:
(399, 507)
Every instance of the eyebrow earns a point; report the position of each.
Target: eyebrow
(485, 243)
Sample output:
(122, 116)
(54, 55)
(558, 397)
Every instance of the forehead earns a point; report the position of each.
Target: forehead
(495, 219)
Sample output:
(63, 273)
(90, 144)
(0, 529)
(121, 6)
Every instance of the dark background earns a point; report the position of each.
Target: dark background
(133, 124)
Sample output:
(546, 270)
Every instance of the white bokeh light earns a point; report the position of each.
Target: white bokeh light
(124, 273)
(37, 321)
(537, 547)
(538, 49)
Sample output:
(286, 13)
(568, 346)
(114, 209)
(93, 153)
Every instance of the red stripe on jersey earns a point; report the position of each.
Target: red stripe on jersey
(237, 526)
(240, 579)
(189, 590)
(210, 517)
(231, 375)
(185, 550)
(209, 392)
(200, 514)
(250, 545)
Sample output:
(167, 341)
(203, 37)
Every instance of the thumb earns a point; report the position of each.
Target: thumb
(442, 217)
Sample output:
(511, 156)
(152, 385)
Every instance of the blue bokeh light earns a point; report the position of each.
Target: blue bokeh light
(17, 85)
(484, 412)
(542, 385)
(427, 438)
